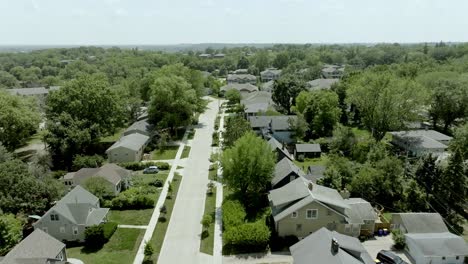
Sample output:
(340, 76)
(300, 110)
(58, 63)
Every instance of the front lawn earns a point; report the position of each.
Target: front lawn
(131, 217)
(148, 178)
(168, 153)
(161, 227)
(304, 165)
(186, 152)
(207, 238)
(121, 248)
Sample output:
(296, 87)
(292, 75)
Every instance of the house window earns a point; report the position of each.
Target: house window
(443, 258)
(75, 230)
(62, 229)
(457, 257)
(298, 227)
(312, 213)
(294, 215)
(347, 229)
(54, 217)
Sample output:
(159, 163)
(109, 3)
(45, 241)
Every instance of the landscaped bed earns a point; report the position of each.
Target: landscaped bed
(207, 238)
(121, 248)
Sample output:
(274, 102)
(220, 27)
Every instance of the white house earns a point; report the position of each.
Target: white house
(129, 148)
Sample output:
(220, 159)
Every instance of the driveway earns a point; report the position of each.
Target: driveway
(373, 246)
(182, 241)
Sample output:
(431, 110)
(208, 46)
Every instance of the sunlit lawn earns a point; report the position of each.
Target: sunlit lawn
(185, 152)
(304, 165)
(167, 154)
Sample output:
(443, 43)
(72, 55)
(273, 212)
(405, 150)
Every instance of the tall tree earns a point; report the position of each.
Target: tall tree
(243, 63)
(262, 60)
(236, 127)
(322, 113)
(427, 174)
(11, 232)
(343, 140)
(281, 60)
(460, 141)
(285, 91)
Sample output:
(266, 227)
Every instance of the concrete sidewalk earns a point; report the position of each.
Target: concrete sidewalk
(133, 226)
(182, 240)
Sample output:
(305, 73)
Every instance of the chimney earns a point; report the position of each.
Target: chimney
(334, 246)
(310, 186)
(282, 143)
(345, 193)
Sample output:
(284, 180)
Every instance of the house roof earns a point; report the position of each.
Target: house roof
(426, 139)
(96, 215)
(133, 142)
(79, 195)
(308, 148)
(271, 71)
(435, 135)
(35, 248)
(241, 77)
(32, 91)
(319, 84)
(315, 172)
(360, 210)
(317, 247)
(141, 126)
(423, 222)
(240, 87)
(275, 145)
(111, 172)
(443, 244)
(283, 168)
(274, 122)
(299, 193)
(256, 107)
(268, 86)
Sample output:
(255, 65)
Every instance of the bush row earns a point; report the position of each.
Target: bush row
(248, 237)
(134, 198)
(142, 165)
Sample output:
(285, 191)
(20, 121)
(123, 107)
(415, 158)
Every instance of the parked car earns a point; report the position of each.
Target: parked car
(389, 257)
(150, 170)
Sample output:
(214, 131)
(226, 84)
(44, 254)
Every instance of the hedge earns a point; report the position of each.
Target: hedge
(142, 165)
(98, 235)
(135, 198)
(80, 162)
(233, 214)
(249, 237)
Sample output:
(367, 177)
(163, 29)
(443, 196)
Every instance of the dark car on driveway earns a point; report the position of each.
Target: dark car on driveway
(388, 257)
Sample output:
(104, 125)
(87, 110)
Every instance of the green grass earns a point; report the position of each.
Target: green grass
(191, 134)
(161, 228)
(147, 178)
(167, 154)
(121, 248)
(115, 137)
(131, 217)
(186, 152)
(213, 174)
(304, 165)
(207, 238)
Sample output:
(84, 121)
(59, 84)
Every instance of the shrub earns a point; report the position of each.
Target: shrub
(398, 239)
(109, 229)
(215, 139)
(80, 161)
(134, 166)
(206, 221)
(156, 183)
(58, 174)
(148, 250)
(248, 237)
(98, 235)
(211, 187)
(135, 198)
(233, 214)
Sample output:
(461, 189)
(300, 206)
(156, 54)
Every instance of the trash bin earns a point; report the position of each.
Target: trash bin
(380, 232)
(385, 231)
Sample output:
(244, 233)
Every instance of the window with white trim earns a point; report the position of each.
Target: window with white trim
(294, 215)
(312, 214)
(75, 230)
(54, 217)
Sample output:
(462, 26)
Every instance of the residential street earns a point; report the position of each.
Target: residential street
(182, 241)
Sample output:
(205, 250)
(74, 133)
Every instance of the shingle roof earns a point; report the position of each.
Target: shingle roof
(240, 87)
(317, 247)
(32, 91)
(360, 210)
(283, 168)
(426, 139)
(241, 77)
(423, 222)
(36, 247)
(111, 172)
(133, 141)
(315, 172)
(308, 148)
(439, 244)
(319, 84)
(142, 127)
(276, 146)
(268, 86)
(271, 71)
(79, 195)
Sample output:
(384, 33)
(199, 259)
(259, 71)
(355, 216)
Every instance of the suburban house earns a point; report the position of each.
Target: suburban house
(219, 56)
(428, 239)
(70, 216)
(421, 142)
(241, 78)
(321, 84)
(141, 126)
(205, 56)
(330, 247)
(361, 211)
(280, 149)
(285, 172)
(333, 71)
(40, 93)
(117, 176)
(302, 207)
(307, 151)
(241, 87)
(270, 74)
(128, 148)
(315, 172)
(268, 86)
(241, 71)
(277, 126)
(257, 103)
(37, 248)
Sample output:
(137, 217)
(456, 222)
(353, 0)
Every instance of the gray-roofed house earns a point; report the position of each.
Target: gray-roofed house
(129, 148)
(307, 151)
(363, 212)
(241, 78)
(268, 86)
(277, 126)
(285, 172)
(329, 247)
(333, 71)
(40, 93)
(141, 126)
(315, 172)
(117, 176)
(421, 142)
(270, 74)
(302, 207)
(37, 248)
(256, 103)
(281, 150)
(321, 84)
(219, 56)
(241, 87)
(70, 216)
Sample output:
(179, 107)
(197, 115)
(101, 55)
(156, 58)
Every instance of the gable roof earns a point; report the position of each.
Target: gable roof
(277, 123)
(443, 244)
(240, 87)
(113, 173)
(241, 77)
(35, 248)
(276, 146)
(308, 148)
(133, 142)
(427, 139)
(141, 126)
(283, 168)
(360, 210)
(32, 91)
(423, 222)
(298, 193)
(315, 172)
(268, 86)
(317, 247)
(319, 84)
(271, 71)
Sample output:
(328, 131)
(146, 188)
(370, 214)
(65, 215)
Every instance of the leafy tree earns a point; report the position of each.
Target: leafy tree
(414, 198)
(100, 187)
(20, 191)
(281, 60)
(343, 140)
(7, 80)
(206, 221)
(285, 91)
(460, 141)
(236, 127)
(19, 119)
(149, 250)
(262, 60)
(339, 173)
(385, 102)
(4, 154)
(81, 161)
(299, 127)
(243, 63)
(427, 173)
(322, 113)
(303, 100)
(10, 232)
(248, 166)
(233, 96)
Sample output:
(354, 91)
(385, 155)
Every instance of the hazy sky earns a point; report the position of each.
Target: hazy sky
(234, 21)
